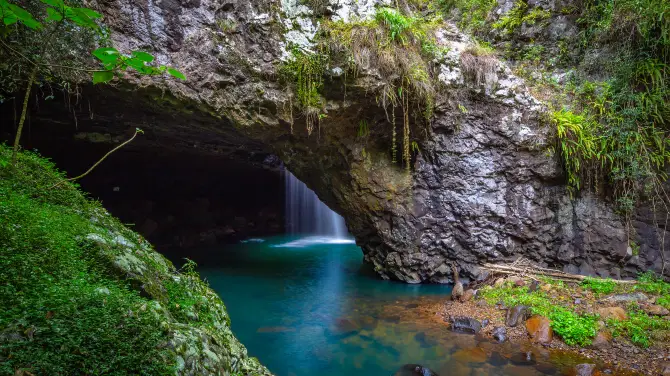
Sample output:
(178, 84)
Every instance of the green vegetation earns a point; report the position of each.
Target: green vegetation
(639, 327)
(62, 303)
(474, 14)
(599, 286)
(575, 325)
(53, 32)
(574, 328)
(72, 276)
(518, 16)
(397, 45)
(305, 70)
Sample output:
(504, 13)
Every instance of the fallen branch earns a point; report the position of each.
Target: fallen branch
(523, 267)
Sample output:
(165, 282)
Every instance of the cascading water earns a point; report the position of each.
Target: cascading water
(307, 215)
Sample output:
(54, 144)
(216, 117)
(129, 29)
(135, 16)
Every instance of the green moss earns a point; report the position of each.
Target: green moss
(63, 304)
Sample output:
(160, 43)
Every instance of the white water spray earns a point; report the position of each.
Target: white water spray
(307, 215)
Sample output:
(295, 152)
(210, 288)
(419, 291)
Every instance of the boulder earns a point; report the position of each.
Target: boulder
(603, 340)
(656, 310)
(465, 325)
(614, 313)
(499, 333)
(414, 370)
(516, 315)
(539, 329)
(665, 369)
(625, 298)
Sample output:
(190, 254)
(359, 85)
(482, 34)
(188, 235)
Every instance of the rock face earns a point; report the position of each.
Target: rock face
(482, 187)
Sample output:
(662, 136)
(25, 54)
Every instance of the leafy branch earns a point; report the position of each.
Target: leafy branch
(57, 13)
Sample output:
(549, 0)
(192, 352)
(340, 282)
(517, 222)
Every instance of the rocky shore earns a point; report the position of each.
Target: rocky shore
(620, 328)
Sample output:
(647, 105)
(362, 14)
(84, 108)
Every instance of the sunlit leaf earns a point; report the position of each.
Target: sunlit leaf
(106, 55)
(102, 77)
(175, 73)
(54, 15)
(22, 15)
(143, 56)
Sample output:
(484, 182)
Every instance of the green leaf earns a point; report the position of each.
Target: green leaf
(83, 17)
(54, 3)
(175, 73)
(143, 56)
(107, 54)
(23, 15)
(102, 77)
(54, 15)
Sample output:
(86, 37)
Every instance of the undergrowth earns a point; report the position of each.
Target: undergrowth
(579, 328)
(574, 328)
(63, 310)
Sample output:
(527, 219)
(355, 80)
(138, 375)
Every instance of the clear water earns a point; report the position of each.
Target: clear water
(308, 306)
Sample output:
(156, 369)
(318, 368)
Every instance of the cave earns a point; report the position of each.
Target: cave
(179, 197)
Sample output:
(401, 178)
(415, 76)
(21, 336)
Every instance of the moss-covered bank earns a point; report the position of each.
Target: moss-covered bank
(83, 294)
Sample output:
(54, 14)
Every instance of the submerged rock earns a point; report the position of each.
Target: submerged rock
(414, 370)
(585, 369)
(516, 315)
(523, 359)
(465, 325)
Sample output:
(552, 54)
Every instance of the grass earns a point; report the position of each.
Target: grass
(63, 307)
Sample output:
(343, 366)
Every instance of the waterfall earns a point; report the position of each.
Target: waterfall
(306, 214)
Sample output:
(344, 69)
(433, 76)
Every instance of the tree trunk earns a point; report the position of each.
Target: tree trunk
(22, 120)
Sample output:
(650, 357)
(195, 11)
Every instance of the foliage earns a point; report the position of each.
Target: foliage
(638, 327)
(650, 283)
(398, 46)
(58, 15)
(60, 297)
(40, 48)
(518, 16)
(599, 286)
(305, 71)
(474, 14)
(574, 328)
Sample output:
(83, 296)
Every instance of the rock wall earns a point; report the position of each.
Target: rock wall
(484, 186)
